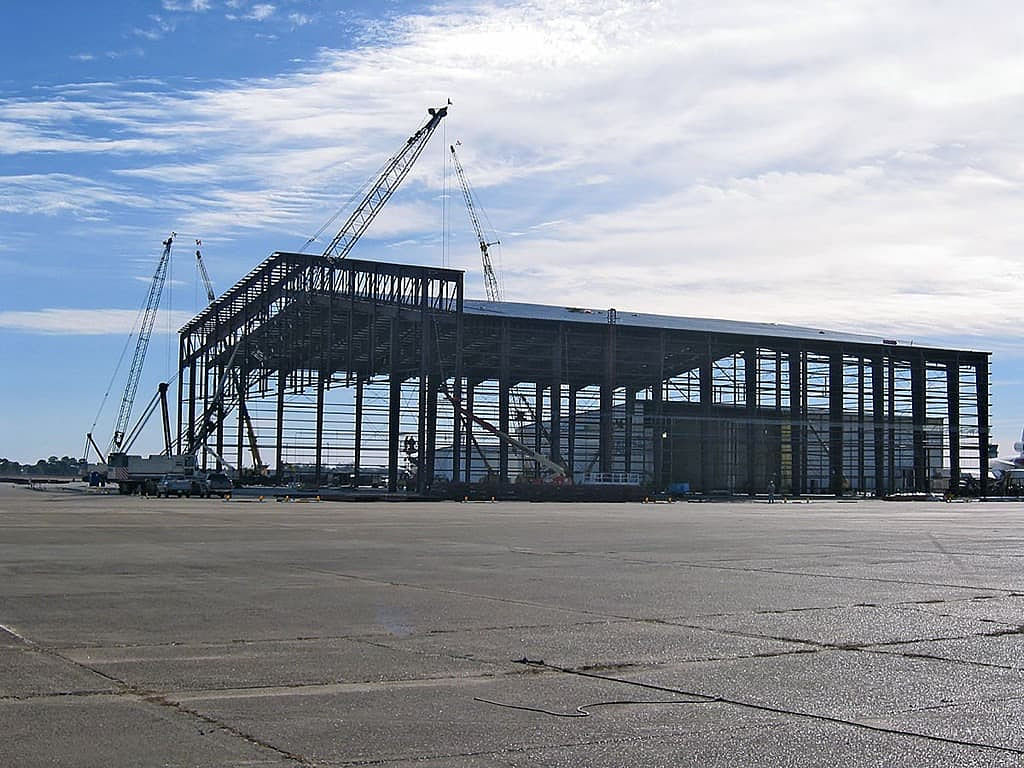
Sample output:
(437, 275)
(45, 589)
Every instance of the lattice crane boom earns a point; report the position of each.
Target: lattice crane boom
(381, 190)
(490, 281)
(210, 295)
(156, 289)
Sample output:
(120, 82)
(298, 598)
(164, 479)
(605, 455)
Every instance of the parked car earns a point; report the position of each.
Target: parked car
(179, 485)
(218, 483)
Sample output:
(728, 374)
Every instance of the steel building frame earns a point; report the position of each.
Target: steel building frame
(720, 405)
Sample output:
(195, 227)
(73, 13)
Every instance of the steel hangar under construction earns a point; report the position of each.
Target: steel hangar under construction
(343, 372)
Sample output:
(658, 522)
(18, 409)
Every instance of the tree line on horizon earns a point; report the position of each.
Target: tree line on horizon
(64, 466)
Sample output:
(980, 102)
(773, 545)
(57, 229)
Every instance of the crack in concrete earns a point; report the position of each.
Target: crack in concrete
(781, 711)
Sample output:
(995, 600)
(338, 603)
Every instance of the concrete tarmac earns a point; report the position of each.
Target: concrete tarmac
(201, 633)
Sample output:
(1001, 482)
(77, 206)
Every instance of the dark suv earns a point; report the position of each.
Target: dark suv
(218, 483)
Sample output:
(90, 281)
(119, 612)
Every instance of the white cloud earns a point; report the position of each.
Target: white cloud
(63, 194)
(79, 322)
(159, 27)
(197, 6)
(261, 12)
(853, 165)
(300, 19)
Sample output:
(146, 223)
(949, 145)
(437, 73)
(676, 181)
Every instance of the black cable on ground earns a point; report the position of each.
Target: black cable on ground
(583, 711)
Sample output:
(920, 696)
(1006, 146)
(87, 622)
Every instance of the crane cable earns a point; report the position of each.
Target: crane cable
(445, 211)
(113, 377)
(345, 206)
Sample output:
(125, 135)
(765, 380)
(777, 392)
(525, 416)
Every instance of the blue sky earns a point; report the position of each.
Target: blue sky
(854, 165)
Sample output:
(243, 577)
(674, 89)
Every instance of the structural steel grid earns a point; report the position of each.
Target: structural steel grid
(347, 372)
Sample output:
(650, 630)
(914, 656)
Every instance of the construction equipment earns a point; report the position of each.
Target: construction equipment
(210, 295)
(140, 474)
(557, 470)
(156, 289)
(395, 169)
(490, 281)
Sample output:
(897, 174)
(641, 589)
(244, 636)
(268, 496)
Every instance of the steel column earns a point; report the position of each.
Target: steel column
(891, 431)
(538, 425)
(918, 419)
(861, 478)
(429, 451)
(707, 396)
(469, 431)
(953, 422)
(878, 422)
(358, 448)
(243, 379)
(457, 398)
(981, 376)
(659, 429)
(394, 404)
(607, 444)
(571, 458)
(282, 378)
(750, 375)
(320, 388)
(837, 479)
(796, 421)
(555, 432)
(504, 384)
(627, 423)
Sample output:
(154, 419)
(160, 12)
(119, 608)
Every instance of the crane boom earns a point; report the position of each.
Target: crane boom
(156, 289)
(210, 295)
(490, 281)
(380, 192)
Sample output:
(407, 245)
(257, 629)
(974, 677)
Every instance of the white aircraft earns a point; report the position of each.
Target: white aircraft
(999, 467)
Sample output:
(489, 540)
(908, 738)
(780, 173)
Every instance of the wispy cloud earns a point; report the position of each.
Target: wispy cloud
(158, 28)
(62, 194)
(83, 322)
(777, 162)
(261, 12)
(197, 6)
